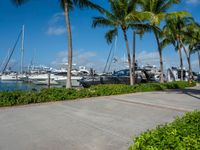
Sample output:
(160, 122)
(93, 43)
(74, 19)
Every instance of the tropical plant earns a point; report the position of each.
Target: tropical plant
(197, 50)
(173, 30)
(158, 10)
(182, 133)
(67, 6)
(191, 37)
(122, 15)
(12, 98)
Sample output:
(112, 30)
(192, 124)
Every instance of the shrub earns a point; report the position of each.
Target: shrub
(183, 133)
(59, 94)
(110, 89)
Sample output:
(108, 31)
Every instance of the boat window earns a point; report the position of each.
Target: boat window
(121, 73)
(194, 73)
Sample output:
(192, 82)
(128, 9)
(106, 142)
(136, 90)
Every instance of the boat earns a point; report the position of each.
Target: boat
(152, 73)
(7, 74)
(38, 77)
(9, 77)
(60, 76)
(45, 82)
(55, 79)
(118, 77)
(43, 79)
(63, 79)
(174, 74)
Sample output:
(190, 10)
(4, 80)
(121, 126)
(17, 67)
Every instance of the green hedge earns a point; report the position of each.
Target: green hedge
(182, 134)
(58, 94)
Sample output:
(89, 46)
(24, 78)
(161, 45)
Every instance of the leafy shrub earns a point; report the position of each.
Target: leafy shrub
(183, 133)
(110, 89)
(59, 94)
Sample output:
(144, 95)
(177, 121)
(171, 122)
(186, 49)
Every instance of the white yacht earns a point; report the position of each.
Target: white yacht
(13, 77)
(38, 77)
(45, 82)
(9, 77)
(83, 70)
(55, 79)
(174, 74)
(63, 79)
(153, 72)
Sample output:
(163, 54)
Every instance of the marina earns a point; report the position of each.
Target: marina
(35, 80)
(99, 74)
(36, 77)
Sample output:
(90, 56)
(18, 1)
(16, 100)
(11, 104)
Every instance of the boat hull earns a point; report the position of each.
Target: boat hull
(75, 81)
(9, 78)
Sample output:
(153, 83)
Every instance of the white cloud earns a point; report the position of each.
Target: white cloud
(56, 30)
(57, 17)
(145, 57)
(193, 1)
(89, 59)
(57, 25)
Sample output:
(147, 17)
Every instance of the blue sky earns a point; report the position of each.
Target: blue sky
(46, 38)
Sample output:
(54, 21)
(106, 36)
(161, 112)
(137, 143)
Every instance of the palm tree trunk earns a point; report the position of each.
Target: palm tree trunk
(199, 59)
(133, 63)
(69, 68)
(161, 58)
(181, 62)
(161, 66)
(129, 57)
(190, 67)
(189, 62)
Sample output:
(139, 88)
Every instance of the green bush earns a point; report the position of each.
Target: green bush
(182, 134)
(59, 94)
(110, 89)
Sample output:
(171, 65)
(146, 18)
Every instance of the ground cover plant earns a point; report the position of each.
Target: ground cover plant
(11, 98)
(181, 134)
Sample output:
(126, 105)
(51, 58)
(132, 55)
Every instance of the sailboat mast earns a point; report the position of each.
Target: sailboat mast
(22, 50)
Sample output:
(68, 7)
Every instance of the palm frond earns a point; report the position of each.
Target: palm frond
(87, 4)
(110, 35)
(173, 16)
(102, 21)
(136, 17)
(164, 43)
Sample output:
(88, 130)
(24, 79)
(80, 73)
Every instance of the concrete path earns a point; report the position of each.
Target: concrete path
(103, 123)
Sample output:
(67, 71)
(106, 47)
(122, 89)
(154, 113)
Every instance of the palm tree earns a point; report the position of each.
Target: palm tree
(158, 9)
(122, 15)
(197, 50)
(173, 30)
(195, 44)
(191, 36)
(192, 40)
(68, 5)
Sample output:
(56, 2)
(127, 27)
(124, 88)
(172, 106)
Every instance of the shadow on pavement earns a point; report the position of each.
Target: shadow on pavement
(192, 92)
(195, 93)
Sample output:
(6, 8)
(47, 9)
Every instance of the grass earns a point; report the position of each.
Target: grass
(12, 98)
(181, 134)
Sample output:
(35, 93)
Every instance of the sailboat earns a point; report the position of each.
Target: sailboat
(13, 76)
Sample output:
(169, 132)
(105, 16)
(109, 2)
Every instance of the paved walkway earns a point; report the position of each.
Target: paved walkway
(103, 123)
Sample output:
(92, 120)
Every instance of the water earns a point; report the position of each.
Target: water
(18, 85)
